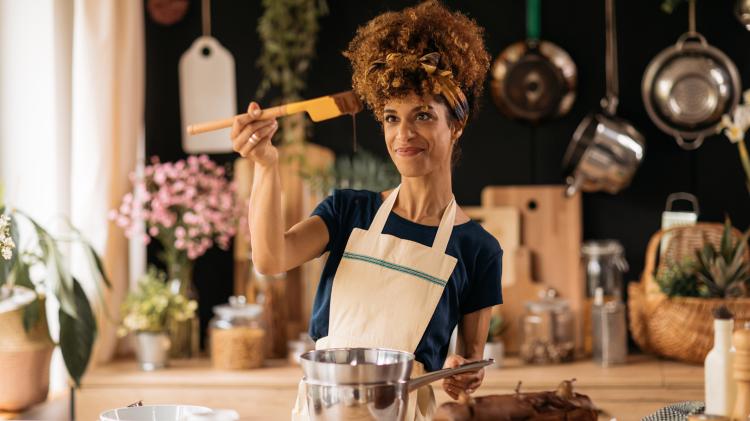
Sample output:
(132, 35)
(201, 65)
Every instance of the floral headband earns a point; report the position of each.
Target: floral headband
(442, 78)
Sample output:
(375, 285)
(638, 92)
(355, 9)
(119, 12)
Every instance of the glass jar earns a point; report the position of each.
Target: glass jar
(237, 335)
(547, 330)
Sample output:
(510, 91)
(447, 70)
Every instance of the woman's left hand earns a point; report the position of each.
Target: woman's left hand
(466, 382)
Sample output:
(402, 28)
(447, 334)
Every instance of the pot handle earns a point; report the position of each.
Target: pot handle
(689, 145)
(420, 381)
(687, 36)
(574, 184)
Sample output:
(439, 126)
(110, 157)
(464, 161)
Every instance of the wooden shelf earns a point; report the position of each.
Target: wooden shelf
(628, 392)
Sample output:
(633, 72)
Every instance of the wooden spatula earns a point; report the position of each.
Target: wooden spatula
(319, 109)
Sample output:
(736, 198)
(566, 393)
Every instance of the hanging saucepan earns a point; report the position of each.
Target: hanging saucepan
(689, 86)
(533, 79)
(605, 150)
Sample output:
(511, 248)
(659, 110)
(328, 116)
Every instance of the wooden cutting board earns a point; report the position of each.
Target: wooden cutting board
(551, 229)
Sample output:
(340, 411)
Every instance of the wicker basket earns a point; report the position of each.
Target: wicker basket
(680, 327)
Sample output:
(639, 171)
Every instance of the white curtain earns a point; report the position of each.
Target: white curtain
(71, 125)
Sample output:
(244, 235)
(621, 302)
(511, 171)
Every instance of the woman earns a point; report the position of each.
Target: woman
(407, 265)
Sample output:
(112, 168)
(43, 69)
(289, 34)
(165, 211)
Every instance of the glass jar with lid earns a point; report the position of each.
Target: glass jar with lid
(547, 330)
(237, 335)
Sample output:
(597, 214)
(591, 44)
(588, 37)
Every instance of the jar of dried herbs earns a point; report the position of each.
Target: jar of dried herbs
(237, 335)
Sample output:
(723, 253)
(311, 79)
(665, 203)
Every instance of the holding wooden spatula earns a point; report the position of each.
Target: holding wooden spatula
(319, 109)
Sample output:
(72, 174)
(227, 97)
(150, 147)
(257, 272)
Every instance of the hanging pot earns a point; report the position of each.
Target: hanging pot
(605, 150)
(533, 79)
(688, 87)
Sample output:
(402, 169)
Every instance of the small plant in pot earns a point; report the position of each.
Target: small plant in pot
(710, 272)
(148, 311)
(33, 268)
(494, 348)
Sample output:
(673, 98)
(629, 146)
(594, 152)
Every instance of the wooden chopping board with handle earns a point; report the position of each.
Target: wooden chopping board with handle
(551, 230)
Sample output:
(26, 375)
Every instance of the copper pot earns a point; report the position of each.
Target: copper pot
(533, 79)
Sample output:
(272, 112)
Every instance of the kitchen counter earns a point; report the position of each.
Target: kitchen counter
(627, 392)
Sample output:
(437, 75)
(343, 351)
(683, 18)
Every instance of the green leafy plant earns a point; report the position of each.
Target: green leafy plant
(40, 251)
(498, 326)
(362, 170)
(151, 306)
(711, 272)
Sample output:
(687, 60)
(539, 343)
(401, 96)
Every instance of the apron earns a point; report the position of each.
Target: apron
(385, 292)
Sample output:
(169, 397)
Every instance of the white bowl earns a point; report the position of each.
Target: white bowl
(153, 413)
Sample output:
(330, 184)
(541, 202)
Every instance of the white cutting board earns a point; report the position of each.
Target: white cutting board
(207, 92)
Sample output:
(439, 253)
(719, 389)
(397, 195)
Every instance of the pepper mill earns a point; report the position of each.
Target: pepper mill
(742, 373)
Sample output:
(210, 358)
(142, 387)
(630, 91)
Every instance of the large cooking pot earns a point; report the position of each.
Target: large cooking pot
(365, 383)
(605, 150)
(688, 87)
(533, 79)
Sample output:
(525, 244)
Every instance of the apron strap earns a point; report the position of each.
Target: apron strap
(446, 227)
(444, 230)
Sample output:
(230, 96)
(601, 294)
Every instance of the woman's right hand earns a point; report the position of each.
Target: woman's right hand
(252, 138)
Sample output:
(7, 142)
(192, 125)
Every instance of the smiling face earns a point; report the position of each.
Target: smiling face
(418, 135)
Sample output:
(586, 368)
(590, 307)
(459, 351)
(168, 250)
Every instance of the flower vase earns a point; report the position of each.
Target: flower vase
(152, 350)
(184, 335)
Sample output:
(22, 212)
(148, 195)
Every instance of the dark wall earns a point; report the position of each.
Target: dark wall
(496, 151)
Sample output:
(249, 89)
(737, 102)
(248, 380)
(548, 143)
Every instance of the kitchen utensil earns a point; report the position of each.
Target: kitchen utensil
(547, 328)
(533, 79)
(688, 87)
(671, 218)
(365, 383)
(207, 88)
(153, 412)
(319, 109)
(551, 231)
(605, 150)
(742, 11)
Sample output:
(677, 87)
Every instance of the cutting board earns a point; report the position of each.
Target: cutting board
(503, 223)
(207, 92)
(551, 230)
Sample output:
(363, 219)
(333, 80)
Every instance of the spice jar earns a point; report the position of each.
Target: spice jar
(237, 335)
(547, 330)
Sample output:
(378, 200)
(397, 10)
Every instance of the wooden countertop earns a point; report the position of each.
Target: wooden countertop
(628, 392)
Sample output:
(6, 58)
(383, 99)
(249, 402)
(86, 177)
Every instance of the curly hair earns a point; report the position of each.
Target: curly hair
(403, 37)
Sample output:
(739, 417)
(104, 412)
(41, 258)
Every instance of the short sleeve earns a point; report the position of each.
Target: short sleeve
(329, 210)
(485, 289)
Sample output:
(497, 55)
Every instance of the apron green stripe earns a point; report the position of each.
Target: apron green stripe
(394, 266)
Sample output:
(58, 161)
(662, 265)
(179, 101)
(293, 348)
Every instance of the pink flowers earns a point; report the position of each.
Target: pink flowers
(186, 205)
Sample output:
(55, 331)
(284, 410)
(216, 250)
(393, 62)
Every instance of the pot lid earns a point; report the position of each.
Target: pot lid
(238, 308)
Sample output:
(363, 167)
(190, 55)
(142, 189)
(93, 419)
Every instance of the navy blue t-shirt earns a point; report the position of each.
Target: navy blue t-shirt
(473, 285)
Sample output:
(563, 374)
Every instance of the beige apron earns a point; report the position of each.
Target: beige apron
(385, 292)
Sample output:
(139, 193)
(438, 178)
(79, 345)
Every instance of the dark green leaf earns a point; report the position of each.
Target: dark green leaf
(31, 314)
(21, 275)
(77, 335)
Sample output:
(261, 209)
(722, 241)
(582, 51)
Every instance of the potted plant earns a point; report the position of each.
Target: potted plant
(703, 267)
(187, 206)
(30, 271)
(147, 312)
(494, 348)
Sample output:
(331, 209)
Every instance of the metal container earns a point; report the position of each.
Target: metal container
(605, 150)
(689, 86)
(152, 350)
(365, 383)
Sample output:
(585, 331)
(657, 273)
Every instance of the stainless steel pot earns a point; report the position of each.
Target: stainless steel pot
(533, 79)
(365, 383)
(605, 150)
(688, 87)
